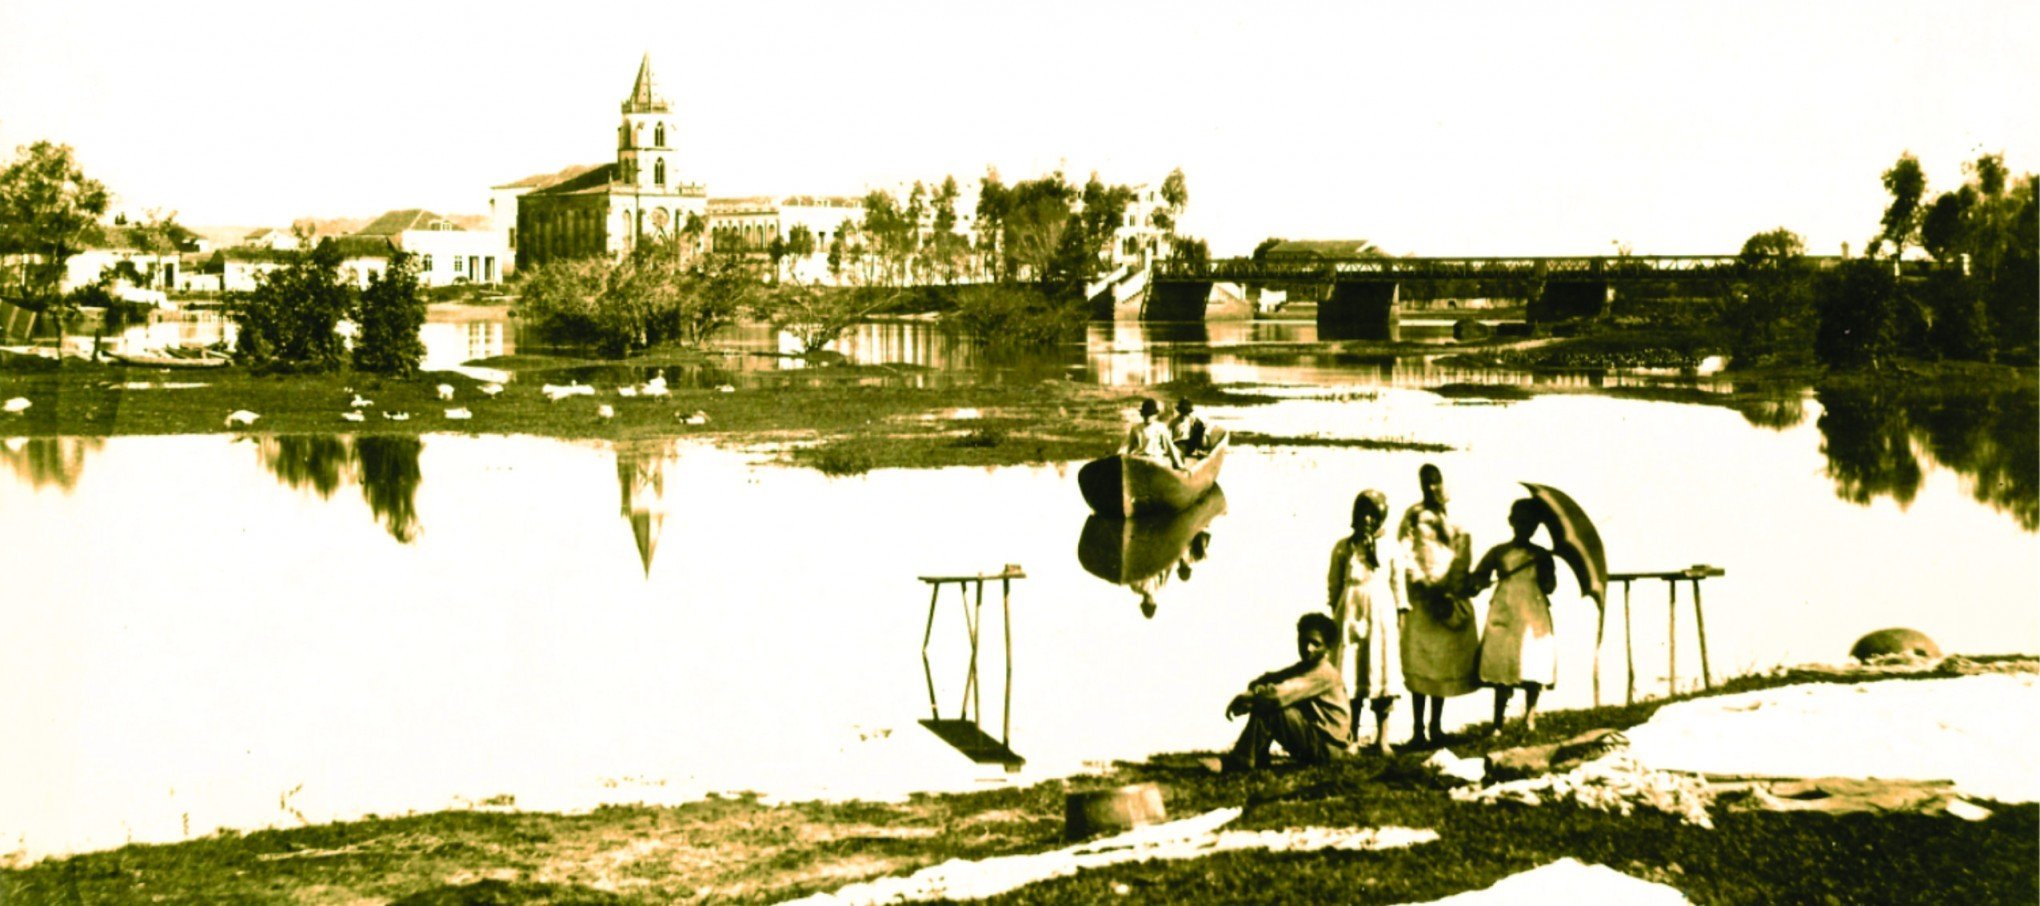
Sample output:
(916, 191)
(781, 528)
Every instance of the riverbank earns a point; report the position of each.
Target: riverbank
(738, 849)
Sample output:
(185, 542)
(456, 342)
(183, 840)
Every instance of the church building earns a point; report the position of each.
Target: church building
(612, 208)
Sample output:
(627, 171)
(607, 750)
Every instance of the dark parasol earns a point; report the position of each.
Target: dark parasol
(1575, 540)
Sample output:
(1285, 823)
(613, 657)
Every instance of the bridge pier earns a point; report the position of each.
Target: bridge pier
(1361, 311)
(1565, 300)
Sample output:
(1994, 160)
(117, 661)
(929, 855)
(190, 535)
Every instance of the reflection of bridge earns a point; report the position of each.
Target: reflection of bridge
(1363, 294)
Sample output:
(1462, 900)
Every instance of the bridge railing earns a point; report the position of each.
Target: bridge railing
(1331, 270)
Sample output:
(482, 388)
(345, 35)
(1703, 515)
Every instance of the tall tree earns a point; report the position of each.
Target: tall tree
(49, 211)
(392, 313)
(1901, 224)
(288, 320)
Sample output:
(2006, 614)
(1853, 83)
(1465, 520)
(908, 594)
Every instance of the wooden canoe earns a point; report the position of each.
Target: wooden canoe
(1127, 486)
(203, 358)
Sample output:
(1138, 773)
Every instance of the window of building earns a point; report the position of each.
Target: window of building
(457, 265)
(659, 169)
(659, 135)
(425, 263)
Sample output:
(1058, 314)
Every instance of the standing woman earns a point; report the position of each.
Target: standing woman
(1364, 592)
(1439, 640)
(1518, 647)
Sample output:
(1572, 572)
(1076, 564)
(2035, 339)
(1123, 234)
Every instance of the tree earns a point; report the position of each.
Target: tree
(1860, 308)
(1901, 223)
(49, 211)
(392, 313)
(1262, 248)
(994, 199)
(1768, 314)
(288, 321)
(1175, 197)
(816, 315)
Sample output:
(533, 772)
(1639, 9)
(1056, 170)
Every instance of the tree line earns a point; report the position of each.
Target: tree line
(1018, 278)
(1977, 298)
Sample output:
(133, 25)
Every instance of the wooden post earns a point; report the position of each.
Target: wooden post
(1628, 645)
(1700, 619)
(1600, 630)
(1672, 640)
(1006, 618)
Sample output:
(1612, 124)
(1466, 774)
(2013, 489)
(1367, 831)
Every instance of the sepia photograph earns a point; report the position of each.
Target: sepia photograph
(880, 451)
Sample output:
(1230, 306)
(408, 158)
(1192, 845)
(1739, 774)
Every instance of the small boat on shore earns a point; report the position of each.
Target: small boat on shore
(1126, 486)
(172, 358)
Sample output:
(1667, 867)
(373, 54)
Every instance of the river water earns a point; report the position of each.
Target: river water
(210, 632)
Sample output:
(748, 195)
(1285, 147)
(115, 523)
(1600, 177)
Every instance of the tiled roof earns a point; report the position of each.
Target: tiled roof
(593, 178)
(362, 245)
(1325, 248)
(543, 180)
(396, 222)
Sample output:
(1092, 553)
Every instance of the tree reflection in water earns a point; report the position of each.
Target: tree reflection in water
(306, 461)
(386, 467)
(49, 461)
(389, 482)
(1873, 439)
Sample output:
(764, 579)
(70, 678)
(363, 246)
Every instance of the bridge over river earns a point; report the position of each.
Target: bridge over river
(1361, 297)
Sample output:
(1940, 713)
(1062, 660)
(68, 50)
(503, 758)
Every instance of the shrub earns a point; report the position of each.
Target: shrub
(392, 312)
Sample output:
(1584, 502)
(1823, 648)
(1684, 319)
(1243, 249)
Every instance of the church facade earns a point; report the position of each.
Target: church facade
(610, 209)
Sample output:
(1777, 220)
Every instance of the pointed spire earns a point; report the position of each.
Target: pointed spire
(644, 98)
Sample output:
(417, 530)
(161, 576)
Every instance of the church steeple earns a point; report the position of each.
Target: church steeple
(644, 98)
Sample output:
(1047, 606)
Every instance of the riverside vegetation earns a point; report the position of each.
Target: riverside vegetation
(738, 849)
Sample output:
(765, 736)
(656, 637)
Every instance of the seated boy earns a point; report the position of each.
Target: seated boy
(1302, 706)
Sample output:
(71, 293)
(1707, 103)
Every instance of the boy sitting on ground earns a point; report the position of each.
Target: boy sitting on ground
(1302, 706)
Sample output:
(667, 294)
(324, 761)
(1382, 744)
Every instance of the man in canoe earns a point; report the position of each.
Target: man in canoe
(1150, 439)
(1302, 706)
(1188, 429)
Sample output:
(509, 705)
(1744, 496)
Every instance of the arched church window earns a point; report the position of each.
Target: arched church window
(659, 135)
(659, 169)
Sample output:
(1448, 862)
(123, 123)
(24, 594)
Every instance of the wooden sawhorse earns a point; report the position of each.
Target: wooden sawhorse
(965, 732)
(1694, 574)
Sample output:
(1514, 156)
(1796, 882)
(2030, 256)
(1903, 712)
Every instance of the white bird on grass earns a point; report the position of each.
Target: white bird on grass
(460, 414)
(557, 392)
(605, 411)
(354, 416)
(359, 403)
(626, 392)
(397, 416)
(17, 405)
(241, 418)
(698, 418)
(655, 387)
(725, 389)
(445, 391)
(491, 389)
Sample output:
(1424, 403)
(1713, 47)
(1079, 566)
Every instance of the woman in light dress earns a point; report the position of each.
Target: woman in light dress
(1439, 640)
(1364, 592)
(1151, 438)
(1518, 647)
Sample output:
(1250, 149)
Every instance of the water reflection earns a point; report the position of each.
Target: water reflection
(641, 479)
(965, 732)
(386, 468)
(1875, 438)
(389, 482)
(1775, 413)
(1145, 553)
(48, 461)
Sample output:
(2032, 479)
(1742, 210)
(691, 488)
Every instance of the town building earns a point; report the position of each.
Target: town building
(608, 210)
(446, 253)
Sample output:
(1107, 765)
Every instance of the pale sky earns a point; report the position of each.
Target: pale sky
(1428, 128)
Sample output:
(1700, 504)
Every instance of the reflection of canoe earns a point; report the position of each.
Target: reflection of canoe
(1134, 485)
(1125, 551)
(199, 358)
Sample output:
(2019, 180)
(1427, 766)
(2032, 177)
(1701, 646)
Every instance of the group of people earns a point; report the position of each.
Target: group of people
(1400, 617)
(1173, 441)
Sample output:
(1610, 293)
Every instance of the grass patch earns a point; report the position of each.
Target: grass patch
(735, 849)
(1256, 439)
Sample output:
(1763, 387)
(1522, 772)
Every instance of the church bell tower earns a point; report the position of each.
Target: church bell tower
(644, 148)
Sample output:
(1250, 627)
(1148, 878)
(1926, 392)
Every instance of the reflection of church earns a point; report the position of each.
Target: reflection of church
(609, 209)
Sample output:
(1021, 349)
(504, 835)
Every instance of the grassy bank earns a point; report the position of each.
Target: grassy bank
(843, 418)
(739, 850)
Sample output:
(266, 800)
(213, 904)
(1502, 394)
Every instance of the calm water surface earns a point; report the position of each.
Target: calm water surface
(205, 632)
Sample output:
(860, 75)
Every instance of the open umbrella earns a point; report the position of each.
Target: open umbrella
(1575, 540)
